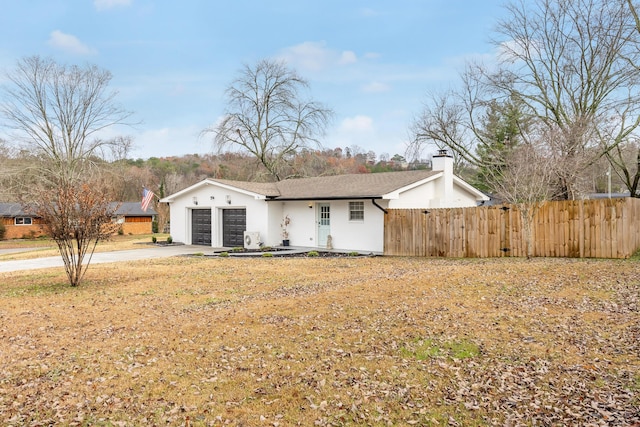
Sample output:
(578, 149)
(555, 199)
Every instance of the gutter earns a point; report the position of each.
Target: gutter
(378, 206)
(318, 199)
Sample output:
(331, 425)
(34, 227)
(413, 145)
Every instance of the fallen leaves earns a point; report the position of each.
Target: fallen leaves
(326, 342)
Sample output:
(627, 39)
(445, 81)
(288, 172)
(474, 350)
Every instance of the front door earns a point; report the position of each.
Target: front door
(324, 223)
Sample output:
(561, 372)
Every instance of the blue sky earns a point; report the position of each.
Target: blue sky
(372, 62)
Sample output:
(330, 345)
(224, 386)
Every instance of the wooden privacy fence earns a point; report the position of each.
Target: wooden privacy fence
(603, 228)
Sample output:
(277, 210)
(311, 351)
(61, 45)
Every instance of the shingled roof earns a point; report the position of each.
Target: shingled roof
(268, 189)
(11, 210)
(333, 187)
(132, 209)
(350, 186)
(124, 208)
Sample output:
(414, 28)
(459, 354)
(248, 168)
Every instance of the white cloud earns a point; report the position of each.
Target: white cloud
(358, 124)
(69, 43)
(376, 87)
(348, 57)
(316, 56)
(110, 4)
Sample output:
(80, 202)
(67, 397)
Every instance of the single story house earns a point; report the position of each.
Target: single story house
(20, 224)
(133, 220)
(343, 212)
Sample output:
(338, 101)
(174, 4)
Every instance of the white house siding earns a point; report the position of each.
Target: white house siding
(266, 217)
(302, 222)
(257, 214)
(417, 197)
(366, 235)
(462, 199)
(429, 195)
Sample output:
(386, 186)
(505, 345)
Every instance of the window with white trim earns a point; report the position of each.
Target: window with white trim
(356, 211)
(22, 220)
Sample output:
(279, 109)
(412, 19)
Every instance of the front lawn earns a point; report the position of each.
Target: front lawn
(323, 342)
(44, 247)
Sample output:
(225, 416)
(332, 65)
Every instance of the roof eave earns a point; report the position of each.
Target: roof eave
(470, 188)
(213, 182)
(320, 198)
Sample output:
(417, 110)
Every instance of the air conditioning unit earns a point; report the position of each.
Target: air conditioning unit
(252, 240)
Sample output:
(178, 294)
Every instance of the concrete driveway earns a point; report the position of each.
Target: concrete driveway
(103, 257)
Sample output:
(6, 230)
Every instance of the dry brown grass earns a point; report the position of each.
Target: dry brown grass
(38, 248)
(335, 341)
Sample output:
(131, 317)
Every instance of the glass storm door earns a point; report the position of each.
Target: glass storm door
(324, 223)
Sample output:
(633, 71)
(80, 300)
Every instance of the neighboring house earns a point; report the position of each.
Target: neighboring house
(20, 224)
(344, 212)
(133, 220)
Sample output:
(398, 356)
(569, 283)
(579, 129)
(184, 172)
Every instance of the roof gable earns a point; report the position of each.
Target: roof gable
(255, 189)
(470, 188)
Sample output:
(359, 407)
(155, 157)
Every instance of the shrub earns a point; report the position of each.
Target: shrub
(237, 249)
(169, 240)
(223, 254)
(31, 235)
(154, 239)
(313, 253)
(354, 253)
(3, 231)
(154, 226)
(267, 254)
(120, 232)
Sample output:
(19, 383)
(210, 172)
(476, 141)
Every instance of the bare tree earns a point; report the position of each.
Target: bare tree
(566, 63)
(478, 129)
(625, 162)
(268, 116)
(443, 124)
(8, 167)
(625, 157)
(57, 112)
(568, 60)
(76, 217)
(524, 181)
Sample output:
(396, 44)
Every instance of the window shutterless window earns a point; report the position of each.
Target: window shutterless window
(22, 220)
(356, 211)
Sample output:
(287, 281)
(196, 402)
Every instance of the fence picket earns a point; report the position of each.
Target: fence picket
(607, 228)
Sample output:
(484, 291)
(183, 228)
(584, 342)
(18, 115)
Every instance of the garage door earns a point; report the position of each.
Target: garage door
(201, 227)
(234, 223)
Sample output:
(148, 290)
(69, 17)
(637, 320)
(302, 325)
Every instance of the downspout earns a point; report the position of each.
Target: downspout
(378, 206)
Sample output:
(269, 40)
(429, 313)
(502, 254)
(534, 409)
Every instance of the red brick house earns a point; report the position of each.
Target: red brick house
(21, 225)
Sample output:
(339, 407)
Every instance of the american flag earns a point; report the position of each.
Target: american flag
(147, 197)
